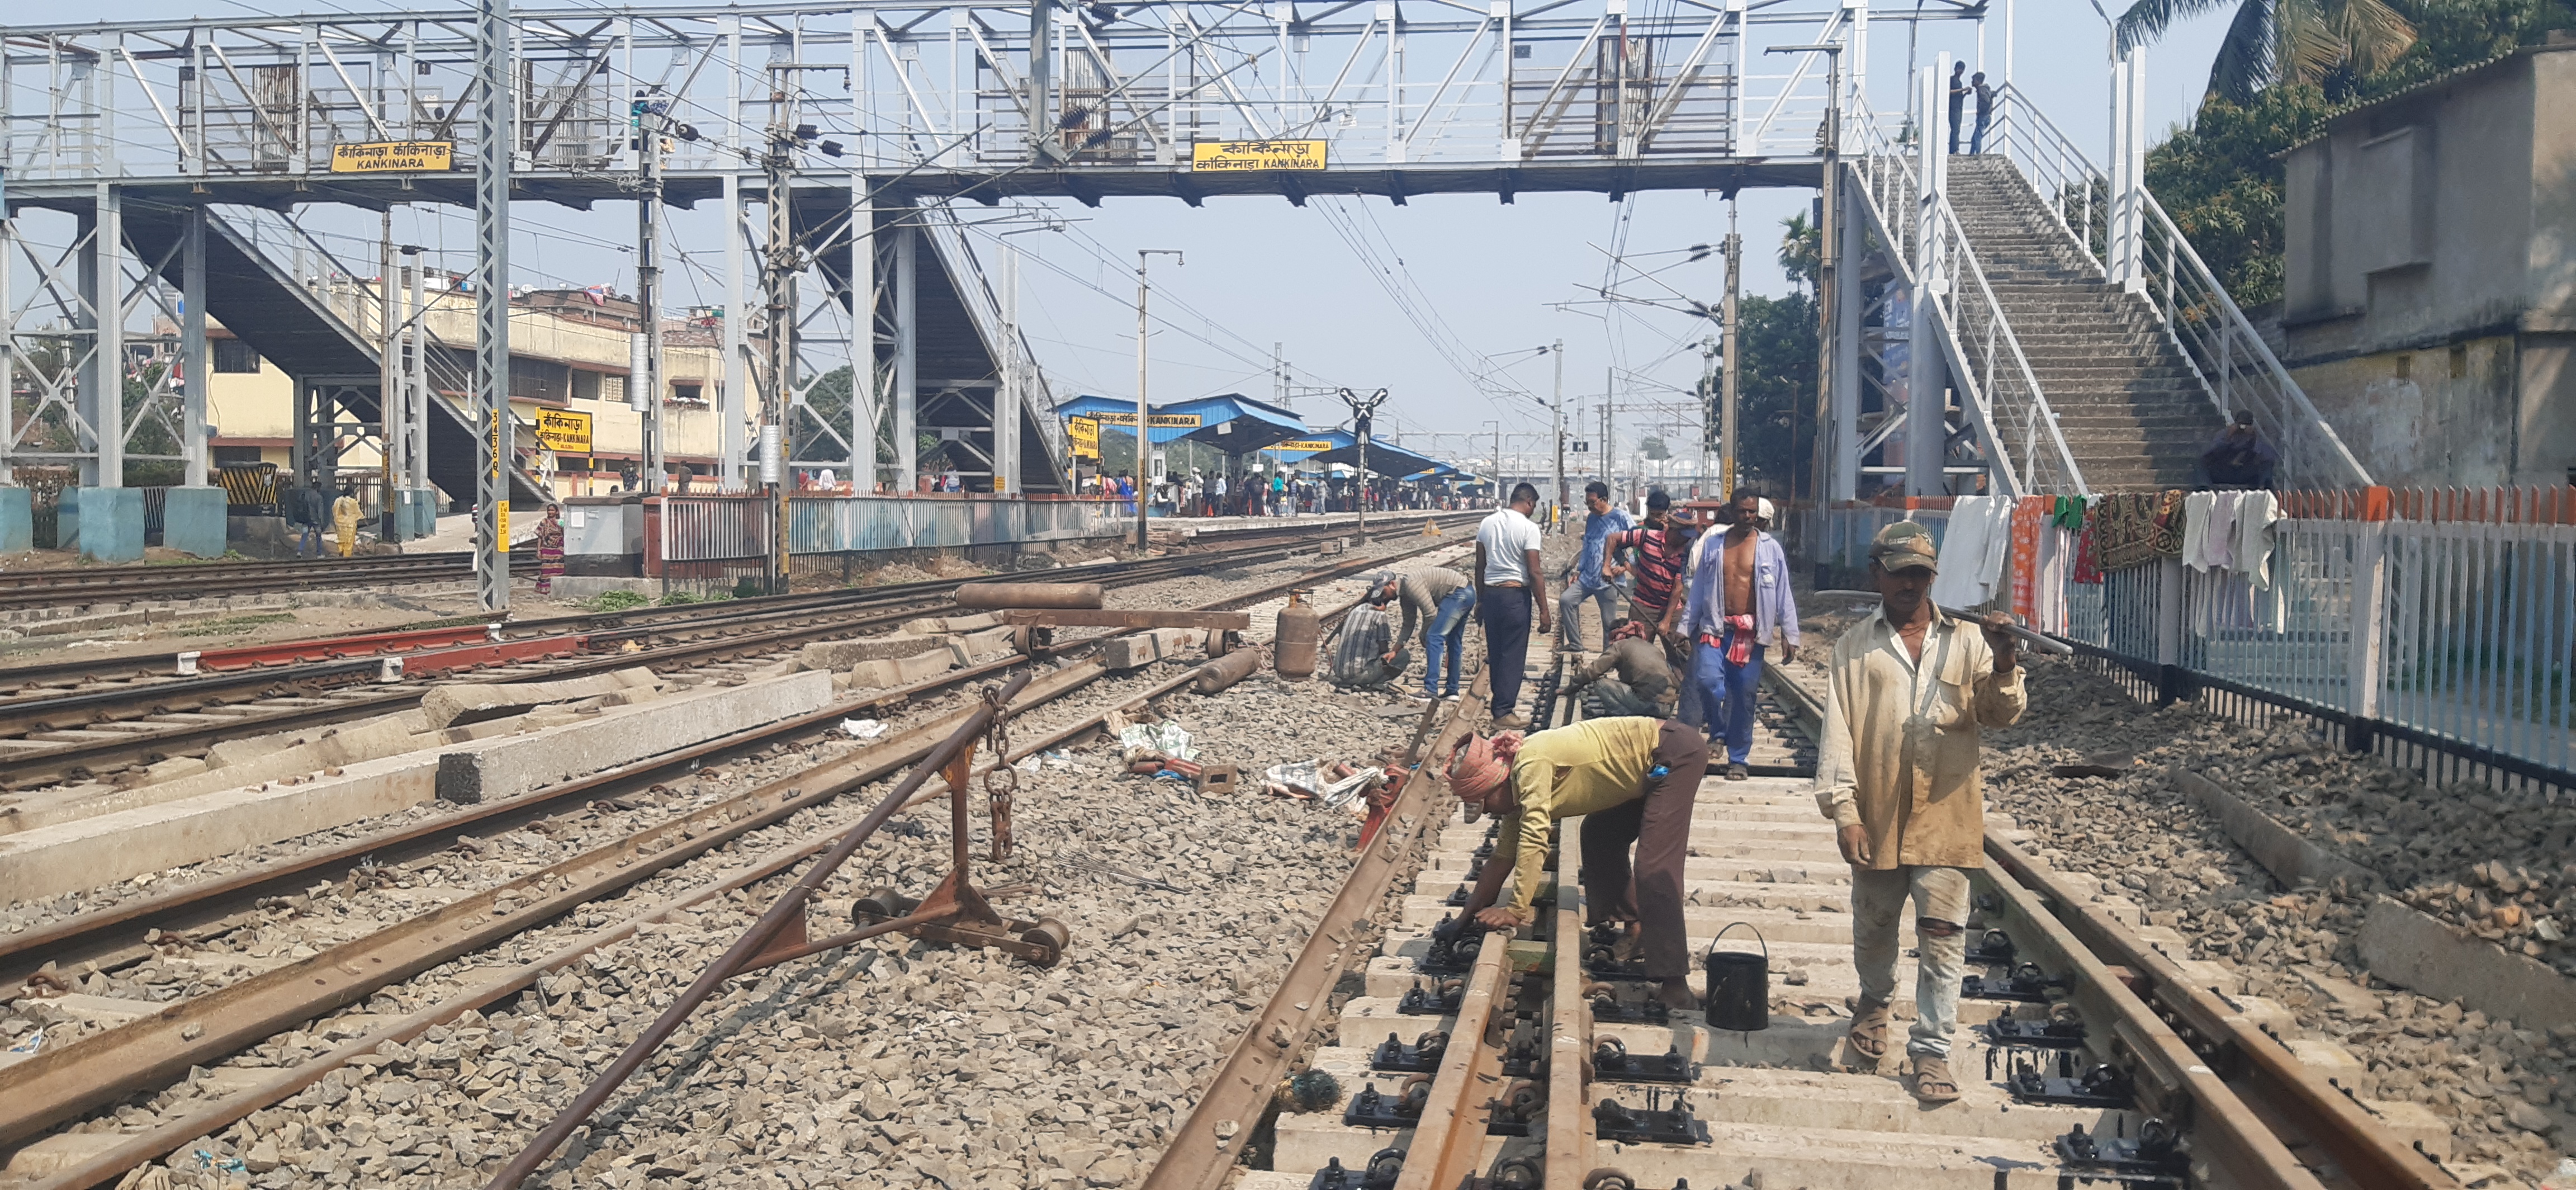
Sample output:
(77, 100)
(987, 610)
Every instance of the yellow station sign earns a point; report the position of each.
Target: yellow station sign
(564, 431)
(1248, 155)
(394, 157)
(1308, 447)
(1162, 421)
(1085, 434)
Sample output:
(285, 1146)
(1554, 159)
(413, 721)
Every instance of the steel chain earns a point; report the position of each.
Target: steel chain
(1001, 782)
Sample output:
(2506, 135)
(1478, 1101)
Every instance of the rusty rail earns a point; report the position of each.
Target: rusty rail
(790, 907)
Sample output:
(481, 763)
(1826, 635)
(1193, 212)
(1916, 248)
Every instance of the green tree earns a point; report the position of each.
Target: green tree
(1775, 390)
(2271, 42)
(1653, 447)
(2221, 178)
(1802, 250)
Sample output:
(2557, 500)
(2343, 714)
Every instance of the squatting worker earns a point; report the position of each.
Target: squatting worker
(1507, 591)
(1659, 548)
(1440, 599)
(1897, 772)
(1643, 685)
(1737, 608)
(1632, 780)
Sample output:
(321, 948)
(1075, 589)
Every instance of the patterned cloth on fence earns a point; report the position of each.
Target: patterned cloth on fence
(2133, 528)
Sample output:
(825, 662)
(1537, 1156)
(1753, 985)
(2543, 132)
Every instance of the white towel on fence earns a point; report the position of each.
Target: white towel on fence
(2195, 529)
(1973, 549)
(2256, 513)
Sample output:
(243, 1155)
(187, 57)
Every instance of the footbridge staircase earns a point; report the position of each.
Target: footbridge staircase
(2084, 345)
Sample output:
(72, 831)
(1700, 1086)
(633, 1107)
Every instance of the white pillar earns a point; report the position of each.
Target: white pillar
(1850, 246)
(734, 396)
(865, 401)
(193, 357)
(907, 356)
(1006, 393)
(1927, 380)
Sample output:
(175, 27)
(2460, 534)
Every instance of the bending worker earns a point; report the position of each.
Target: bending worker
(1441, 599)
(1897, 772)
(1633, 781)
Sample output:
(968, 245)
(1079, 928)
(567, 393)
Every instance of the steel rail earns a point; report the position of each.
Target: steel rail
(808, 622)
(789, 906)
(1206, 1145)
(2220, 1059)
(1449, 1136)
(148, 1052)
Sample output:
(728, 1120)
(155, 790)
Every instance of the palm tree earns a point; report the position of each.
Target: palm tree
(2277, 41)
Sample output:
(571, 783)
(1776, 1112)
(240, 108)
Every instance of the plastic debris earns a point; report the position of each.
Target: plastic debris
(866, 729)
(35, 1041)
(1165, 738)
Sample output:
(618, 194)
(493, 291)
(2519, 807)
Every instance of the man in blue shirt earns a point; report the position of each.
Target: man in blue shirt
(1593, 570)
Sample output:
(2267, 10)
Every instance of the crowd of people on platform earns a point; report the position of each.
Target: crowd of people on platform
(1274, 494)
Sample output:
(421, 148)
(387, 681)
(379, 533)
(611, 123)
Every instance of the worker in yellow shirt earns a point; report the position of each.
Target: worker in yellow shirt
(1632, 780)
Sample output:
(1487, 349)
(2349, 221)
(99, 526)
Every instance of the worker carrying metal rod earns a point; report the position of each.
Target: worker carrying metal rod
(1633, 780)
(1911, 689)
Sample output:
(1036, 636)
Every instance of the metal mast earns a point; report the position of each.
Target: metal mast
(1363, 411)
(778, 266)
(493, 139)
(644, 371)
(1556, 407)
(1144, 433)
(1734, 353)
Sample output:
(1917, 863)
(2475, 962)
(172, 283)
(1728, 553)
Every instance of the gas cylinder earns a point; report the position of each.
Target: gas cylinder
(1297, 635)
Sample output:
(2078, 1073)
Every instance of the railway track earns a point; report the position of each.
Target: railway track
(155, 1050)
(197, 580)
(1532, 1059)
(89, 719)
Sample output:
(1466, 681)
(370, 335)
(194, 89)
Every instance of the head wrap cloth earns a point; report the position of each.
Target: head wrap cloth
(1483, 764)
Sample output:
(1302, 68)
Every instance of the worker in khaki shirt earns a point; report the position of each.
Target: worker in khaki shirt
(1632, 780)
(1897, 772)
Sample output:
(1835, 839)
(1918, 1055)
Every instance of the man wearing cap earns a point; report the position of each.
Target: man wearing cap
(1737, 609)
(1440, 599)
(1632, 780)
(1910, 690)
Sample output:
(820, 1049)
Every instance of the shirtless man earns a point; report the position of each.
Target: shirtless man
(1737, 607)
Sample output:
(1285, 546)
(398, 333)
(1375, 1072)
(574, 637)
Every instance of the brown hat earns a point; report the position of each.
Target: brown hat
(1904, 545)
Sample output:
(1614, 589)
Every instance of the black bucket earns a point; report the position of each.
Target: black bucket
(1739, 985)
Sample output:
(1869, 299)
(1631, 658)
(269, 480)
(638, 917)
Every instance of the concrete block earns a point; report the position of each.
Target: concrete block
(447, 705)
(415, 513)
(265, 538)
(510, 766)
(990, 642)
(885, 673)
(843, 654)
(110, 522)
(192, 521)
(17, 520)
(943, 625)
(2415, 950)
(105, 1010)
(2413, 1124)
(1147, 647)
(2288, 855)
(107, 848)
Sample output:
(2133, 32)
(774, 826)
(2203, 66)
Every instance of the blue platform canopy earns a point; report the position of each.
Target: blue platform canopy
(1231, 422)
(1393, 461)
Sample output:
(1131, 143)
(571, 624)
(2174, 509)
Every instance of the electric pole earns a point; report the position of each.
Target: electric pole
(1707, 412)
(1557, 410)
(1362, 410)
(778, 265)
(644, 368)
(1144, 432)
(1734, 353)
(493, 138)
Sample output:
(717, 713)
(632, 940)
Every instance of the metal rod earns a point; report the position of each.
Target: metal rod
(2041, 642)
(753, 941)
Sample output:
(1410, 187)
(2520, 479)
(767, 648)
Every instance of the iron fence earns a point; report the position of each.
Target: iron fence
(2434, 629)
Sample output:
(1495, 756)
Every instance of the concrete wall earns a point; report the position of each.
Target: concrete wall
(2437, 416)
(2430, 278)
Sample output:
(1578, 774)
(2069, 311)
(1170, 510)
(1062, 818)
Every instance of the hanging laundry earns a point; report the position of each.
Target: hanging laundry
(2256, 515)
(2029, 517)
(2195, 529)
(1973, 550)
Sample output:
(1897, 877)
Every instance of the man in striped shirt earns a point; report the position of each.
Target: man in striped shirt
(1440, 599)
(1658, 550)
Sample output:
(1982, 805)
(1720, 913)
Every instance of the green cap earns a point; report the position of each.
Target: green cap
(1904, 545)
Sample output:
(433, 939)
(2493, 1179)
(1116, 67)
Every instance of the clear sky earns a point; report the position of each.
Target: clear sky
(1259, 271)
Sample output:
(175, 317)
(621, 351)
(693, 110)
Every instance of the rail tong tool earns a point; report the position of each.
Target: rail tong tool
(957, 912)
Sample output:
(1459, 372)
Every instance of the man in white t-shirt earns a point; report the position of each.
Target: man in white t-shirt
(1507, 588)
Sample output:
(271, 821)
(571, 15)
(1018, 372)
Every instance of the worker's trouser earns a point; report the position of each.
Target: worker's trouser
(1658, 822)
(1610, 698)
(1940, 898)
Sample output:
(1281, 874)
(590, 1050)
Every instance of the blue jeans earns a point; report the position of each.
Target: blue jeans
(308, 540)
(1571, 601)
(1977, 139)
(1726, 696)
(1446, 636)
(1505, 612)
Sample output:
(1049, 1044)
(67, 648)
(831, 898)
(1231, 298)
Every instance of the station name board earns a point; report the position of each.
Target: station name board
(394, 157)
(1250, 155)
(1162, 421)
(564, 431)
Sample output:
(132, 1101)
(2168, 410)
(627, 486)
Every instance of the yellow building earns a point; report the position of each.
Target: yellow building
(569, 355)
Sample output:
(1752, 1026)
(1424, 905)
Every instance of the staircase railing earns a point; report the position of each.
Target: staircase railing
(984, 307)
(2235, 367)
(1987, 362)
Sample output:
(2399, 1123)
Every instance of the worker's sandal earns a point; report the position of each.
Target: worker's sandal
(1869, 1028)
(1932, 1079)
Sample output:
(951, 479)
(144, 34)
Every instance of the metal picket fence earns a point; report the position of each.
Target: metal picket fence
(2436, 629)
